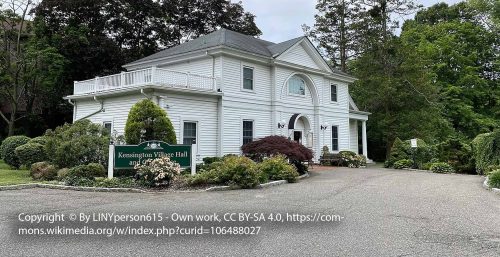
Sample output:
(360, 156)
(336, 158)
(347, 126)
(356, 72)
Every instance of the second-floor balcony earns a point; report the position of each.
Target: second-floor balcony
(150, 76)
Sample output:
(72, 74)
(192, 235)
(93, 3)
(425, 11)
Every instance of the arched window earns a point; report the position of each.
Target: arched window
(296, 86)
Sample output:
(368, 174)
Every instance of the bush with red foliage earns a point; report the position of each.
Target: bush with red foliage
(273, 145)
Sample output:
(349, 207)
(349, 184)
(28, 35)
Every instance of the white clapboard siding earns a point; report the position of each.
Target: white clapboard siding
(298, 55)
(233, 79)
(202, 66)
(282, 77)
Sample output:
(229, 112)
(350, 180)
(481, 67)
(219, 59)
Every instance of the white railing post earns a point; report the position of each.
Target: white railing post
(96, 83)
(75, 83)
(193, 159)
(187, 79)
(122, 78)
(111, 161)
(153, 74)
(214, 84)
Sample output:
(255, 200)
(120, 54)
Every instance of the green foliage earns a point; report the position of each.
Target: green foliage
(62, 173)
(114, 182)
(441, 167)
(402, 150)
(351, 159)
(494, 179)
(79, 181)
(89, 171)
(486, 150)
(30, 153)
(210, 160)
(146, 115)
(43, 171)
(208, 177)
(39, 140)
(8, 147)
(278, 168)
(458, 154)
(491, 168)
(78, 144)
(402, 164)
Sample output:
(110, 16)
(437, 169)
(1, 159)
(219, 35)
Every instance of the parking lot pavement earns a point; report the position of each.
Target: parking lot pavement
(380, 212)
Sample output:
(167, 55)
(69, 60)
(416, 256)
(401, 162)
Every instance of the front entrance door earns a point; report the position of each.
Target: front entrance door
(297, 136)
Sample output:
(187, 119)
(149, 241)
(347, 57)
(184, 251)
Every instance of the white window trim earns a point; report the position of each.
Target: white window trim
(181, 140)
(330, 90)
(338, 138)
(243, 79)
(241, 128)
(296, 95)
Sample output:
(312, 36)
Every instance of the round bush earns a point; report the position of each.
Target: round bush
(148, 116)
(30, 153)
(441, 167)
(39, 140)
(403, 164)
(62, 173)
(240, 171)
(494, 179)
(89, 171)
(43, 171)
(8, 147)
(80, 143)
(278, 168)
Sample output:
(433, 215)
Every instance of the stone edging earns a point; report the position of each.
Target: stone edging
(75, 188)
(485, 185)
(265, 185)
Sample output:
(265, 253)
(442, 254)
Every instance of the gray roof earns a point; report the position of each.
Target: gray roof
(228, 38)
(231, 39)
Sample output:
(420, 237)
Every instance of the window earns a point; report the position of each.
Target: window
(107, 125)
(335, 138)
(189, 133)
(248, 78)
(333, 93)
(296, 86)
(247, 131)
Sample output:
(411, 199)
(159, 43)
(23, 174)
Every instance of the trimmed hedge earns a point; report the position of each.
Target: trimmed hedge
(402, 150)
(89, 171)
(486, 150)
(39, 140)
(8, 148)
(278, 168)
(148, 116)
(403, 164)
(30, 153)
(441, 167)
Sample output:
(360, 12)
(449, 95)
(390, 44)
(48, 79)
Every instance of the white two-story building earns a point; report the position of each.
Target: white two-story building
(225, 89)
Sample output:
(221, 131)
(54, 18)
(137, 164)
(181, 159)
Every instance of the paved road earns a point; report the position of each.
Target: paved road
(386, 213)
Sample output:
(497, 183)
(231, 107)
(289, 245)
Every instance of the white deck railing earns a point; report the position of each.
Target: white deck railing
(149, 76)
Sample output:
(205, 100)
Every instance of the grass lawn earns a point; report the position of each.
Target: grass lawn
(13, 177)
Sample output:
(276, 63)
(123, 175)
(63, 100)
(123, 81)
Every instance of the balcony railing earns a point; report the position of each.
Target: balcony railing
(149, 76)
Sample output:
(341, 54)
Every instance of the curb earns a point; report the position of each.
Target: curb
(303, 176)
(485, 185)
(74, 188)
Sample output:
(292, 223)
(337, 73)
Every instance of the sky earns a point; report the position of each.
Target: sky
(280, 20)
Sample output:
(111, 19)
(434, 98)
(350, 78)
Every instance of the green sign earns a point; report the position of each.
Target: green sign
(127, 156)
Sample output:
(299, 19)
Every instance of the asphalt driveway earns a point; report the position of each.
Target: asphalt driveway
(383, 213)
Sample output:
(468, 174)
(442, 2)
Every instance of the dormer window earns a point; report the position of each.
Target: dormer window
(296, 86)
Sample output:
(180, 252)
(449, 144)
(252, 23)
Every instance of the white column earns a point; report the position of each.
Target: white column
(193, 159)
(111, 160)
(365, 148)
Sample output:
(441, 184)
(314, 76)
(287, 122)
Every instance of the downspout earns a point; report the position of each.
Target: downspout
(74, 108)
(96, 112)
(142, 92)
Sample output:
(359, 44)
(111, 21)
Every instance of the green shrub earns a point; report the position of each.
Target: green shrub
(278, 168)
(8, 147)
(403, 164)
(210, 160)
(43, 171)
(146, 115)
(486, 150)
(114, 182)
(76, 144)
(427, 166)
(30, 153)
(402, 150)
(62, 173)
(79, 181)
(494, 179)
(458, 153)
(89, 171)
(491, 168)
(209, 177)
(441, 167)
(39, 140)
(239, 171)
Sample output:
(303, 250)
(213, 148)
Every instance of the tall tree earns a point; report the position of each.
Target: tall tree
(337, 29)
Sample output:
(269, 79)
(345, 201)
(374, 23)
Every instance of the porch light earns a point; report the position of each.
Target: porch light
(324, 126)
(281, 124)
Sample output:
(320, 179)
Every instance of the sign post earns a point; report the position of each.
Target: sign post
(414, 146)
(127, 156)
